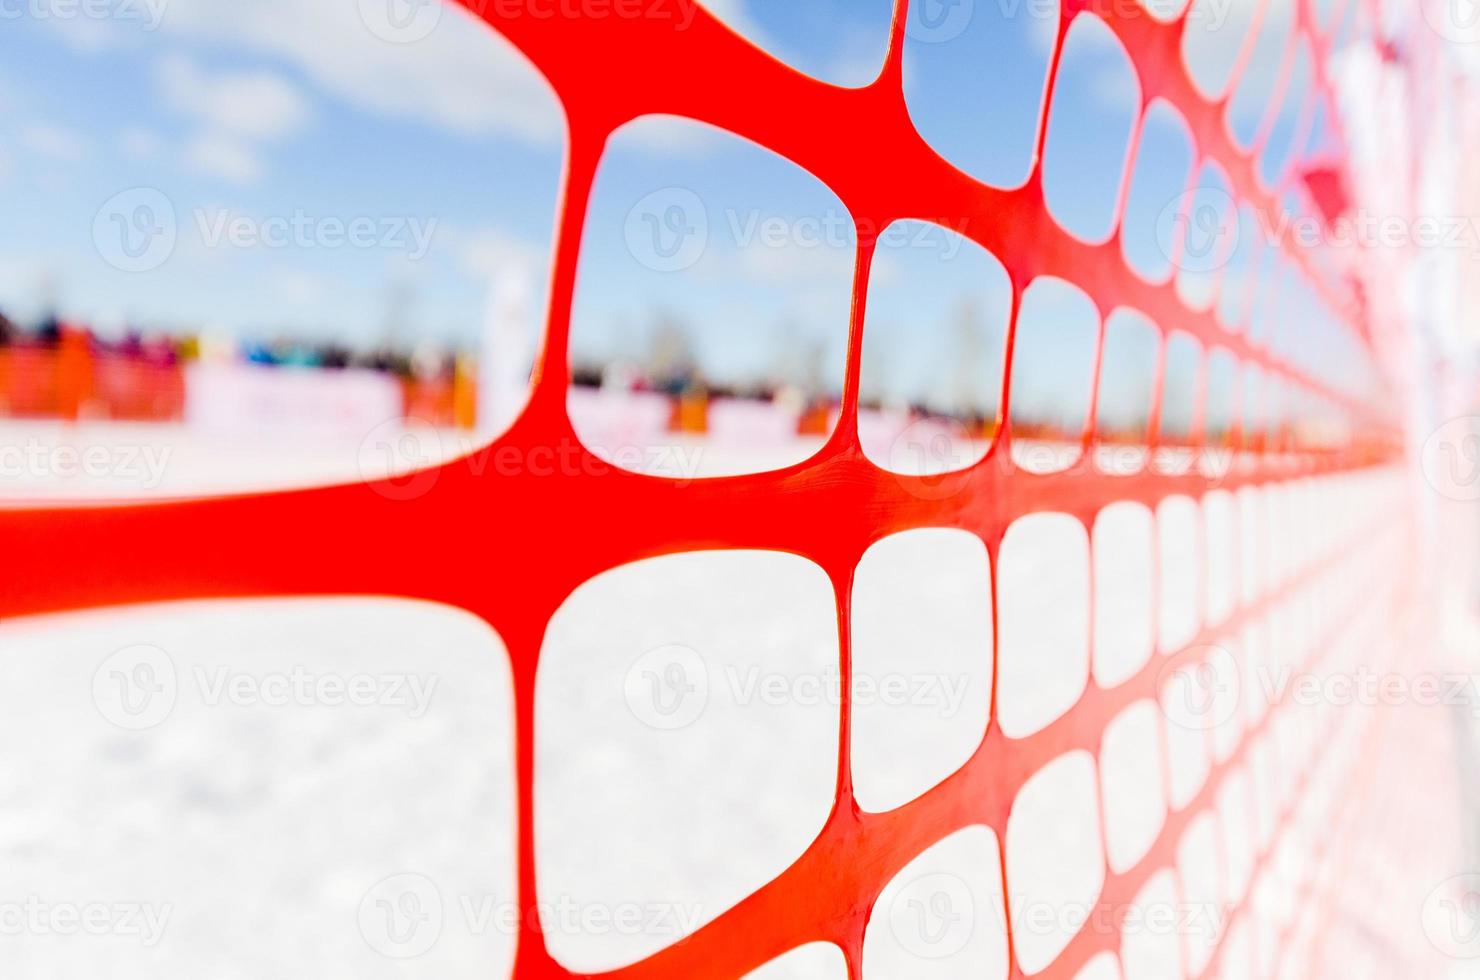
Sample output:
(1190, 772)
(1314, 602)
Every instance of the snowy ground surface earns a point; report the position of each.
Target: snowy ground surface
(324, 788)
(285, 787)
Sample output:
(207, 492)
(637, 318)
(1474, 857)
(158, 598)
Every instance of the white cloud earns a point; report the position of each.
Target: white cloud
(794, 263)
(253, 105)
(886, 269)
(854, 50)
(488, 252)
(298, 288)
(462, 76)
(1043, 32)
(225, 156)
(672, 136)
(733, 14)
(88, 35)
(26, 280)
(53, 141)
(1116, 89)
(139, 144)
(238, 112)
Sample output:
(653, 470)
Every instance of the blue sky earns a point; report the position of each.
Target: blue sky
(263, 114)
(274, 110)
(937, 303)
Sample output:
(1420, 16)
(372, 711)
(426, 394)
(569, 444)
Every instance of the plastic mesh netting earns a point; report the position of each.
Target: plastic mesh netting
(1313, 559)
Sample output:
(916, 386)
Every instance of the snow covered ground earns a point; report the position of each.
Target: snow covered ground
(218, 787)
(223, 784)
(307, 787)
(287, 787)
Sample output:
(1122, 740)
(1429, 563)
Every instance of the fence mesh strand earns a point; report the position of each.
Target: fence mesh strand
(1318, 560)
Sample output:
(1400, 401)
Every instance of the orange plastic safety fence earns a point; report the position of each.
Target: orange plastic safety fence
(453, 533)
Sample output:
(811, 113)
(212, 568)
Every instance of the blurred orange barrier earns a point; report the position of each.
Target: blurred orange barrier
(439, 401)
(70, 381)
(690, 413)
